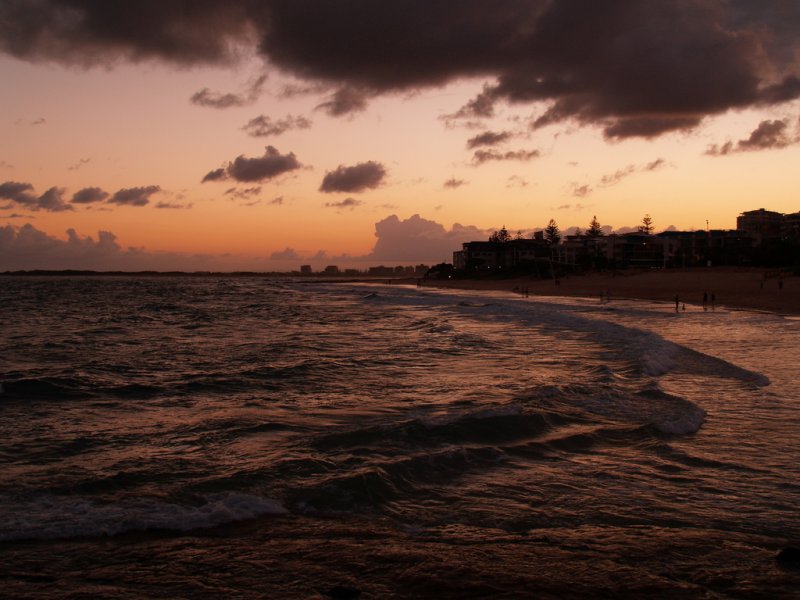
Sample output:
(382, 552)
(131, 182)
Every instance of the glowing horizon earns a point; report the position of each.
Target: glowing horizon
(157, 129)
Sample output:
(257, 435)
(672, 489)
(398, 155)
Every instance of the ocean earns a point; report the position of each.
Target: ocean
(232, 437)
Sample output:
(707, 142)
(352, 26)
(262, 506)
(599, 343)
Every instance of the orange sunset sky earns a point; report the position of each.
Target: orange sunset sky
(265, 135)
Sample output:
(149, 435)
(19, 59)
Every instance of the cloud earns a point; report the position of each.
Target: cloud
(276, 201)
(581, 191)
(243, 193)
(261, 168)
(263, 126)
(617, 176)
(516, 181)
(220, 174)
(488, 138)
(634, 69)
(614, 178)
(345, 101)
(26, 248)
(350, 203)
(454, 183)
(89, 195)
(135, 196)
(79, 164)
(39, 121)
(419, 240)
(363, 176)
(769, 135)
(483, 156)
(249, 95)
(174, 205)
(654, 165)
(22, 194)
(287, 254)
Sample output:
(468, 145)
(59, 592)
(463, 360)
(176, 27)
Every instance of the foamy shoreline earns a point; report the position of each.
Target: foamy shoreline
(751, 289)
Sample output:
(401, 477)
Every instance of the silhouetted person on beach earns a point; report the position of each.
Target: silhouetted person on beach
(677, 302)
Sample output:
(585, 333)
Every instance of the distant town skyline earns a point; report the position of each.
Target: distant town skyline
(225, 136)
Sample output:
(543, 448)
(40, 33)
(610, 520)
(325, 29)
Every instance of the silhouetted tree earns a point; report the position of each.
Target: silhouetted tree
(519, 236)
(552, 234)
(647, 225)
(500, 236)
(594, 228)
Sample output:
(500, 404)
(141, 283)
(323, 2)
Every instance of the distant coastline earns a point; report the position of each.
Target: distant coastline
(733, 287)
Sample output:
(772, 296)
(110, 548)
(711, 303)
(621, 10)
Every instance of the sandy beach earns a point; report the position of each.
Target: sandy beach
(752, 289)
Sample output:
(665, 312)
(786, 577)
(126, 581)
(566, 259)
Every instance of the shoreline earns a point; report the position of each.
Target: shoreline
(733, 287)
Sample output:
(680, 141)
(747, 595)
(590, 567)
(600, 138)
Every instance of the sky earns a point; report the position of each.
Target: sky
(265, 134)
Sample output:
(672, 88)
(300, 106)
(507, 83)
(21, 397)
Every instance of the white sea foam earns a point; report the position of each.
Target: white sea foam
(51, 517)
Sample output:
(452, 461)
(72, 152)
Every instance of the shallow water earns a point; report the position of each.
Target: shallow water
(232, 437)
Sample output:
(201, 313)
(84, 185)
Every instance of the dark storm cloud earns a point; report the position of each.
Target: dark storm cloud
(346, 203)
(636, 68)
(263, 126)
(207, 98)
(488, 138)
(89, 195)
(360, 177)
(769, 135)
(135, 196)
(260, 168)
(22, 194)
(92, 32)
(483, 156)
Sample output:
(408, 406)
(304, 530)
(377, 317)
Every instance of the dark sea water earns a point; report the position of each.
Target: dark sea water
(256, 438)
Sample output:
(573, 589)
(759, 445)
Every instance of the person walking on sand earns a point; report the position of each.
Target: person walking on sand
(677, 302)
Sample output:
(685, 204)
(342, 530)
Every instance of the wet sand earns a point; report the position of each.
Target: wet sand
(752, 289)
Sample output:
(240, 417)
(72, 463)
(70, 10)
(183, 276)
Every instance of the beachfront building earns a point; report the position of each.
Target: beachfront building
(762, 225)
(487, 256)
(791, 227)
(706, 248)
